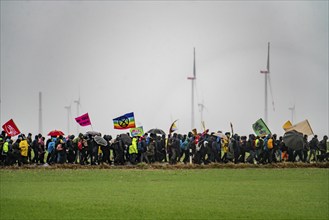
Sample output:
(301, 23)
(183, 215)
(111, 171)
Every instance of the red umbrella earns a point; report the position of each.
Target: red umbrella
(55, 133)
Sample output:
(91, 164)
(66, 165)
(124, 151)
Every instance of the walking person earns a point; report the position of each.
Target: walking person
(51, 148)
(41, 151)
(323, 149)
(184, 149)
(60, 150)
(313, 144)
(142, 150)
(29, 151)
(251, 149)
(151, 150)
(35, 148)
(24, 147)
(133, 151)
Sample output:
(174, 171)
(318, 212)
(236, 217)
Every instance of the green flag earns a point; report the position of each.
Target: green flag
(137, 131)
(260, 128)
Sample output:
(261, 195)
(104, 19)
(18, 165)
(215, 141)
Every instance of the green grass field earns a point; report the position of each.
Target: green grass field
(165, 194)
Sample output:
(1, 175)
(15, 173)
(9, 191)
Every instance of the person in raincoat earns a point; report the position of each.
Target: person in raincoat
(142, 148)
(225, 142)
(133, 151)
(150, 152)
(51, 151)
(61, 149)
(5, 152)
(184, 142)
(323, 149)
(24, 147)
(35, 148)
(313, 144)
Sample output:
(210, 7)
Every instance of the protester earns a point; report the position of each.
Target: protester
(314, 144)
(324, 155)
(133, 151)
(24, 147)
(35, 148)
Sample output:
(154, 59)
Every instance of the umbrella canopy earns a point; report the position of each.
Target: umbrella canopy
(93, 133)
(126, 139)
(55, 133)
(220, 134)
(100, 141)
(156, 131)
(293, 140)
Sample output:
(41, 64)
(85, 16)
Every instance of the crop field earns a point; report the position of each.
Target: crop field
(291, 193)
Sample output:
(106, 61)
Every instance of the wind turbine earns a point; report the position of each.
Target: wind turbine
(202, 107)
(68, 108)
(267, 81)
(193, 78)
(78, 105)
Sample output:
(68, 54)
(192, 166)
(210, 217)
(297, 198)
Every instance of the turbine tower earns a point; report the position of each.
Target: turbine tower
(78, 105)
(68, 108)
(40, 113)
(202, 107)
(193, 78)
(292, 109)
(267, 81)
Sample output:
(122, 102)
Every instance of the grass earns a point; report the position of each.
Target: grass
(164, 194)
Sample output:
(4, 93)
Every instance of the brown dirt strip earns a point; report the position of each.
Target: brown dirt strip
(164, 166)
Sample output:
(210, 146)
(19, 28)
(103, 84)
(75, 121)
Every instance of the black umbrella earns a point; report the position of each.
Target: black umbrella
(156, 131)
(293, 140)
(93, 133)
(100, 141)
(126, 139)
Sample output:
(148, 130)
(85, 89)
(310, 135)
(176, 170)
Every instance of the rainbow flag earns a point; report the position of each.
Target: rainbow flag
(125, 121)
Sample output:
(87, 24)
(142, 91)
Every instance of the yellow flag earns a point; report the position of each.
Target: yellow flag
(173, 127)
(302, 127)
(287, 125)
(194, 131)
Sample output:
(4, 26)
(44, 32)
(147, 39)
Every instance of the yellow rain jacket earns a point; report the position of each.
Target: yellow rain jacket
(225, 145)
(133, 147)
(5, 147)
(24, 146)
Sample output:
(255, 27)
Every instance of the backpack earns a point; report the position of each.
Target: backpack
(80, 145)
(270, 143)
(51, 146)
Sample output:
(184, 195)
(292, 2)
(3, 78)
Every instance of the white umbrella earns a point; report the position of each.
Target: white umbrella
(221, 135)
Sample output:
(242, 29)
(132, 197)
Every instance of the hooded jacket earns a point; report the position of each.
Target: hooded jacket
(24, 146)
(133, 146)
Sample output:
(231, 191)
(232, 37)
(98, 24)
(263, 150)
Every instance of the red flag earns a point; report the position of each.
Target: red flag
(83, 120)
(11, 128)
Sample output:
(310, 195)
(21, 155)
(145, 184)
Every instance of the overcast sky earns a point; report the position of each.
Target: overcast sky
(136, 56)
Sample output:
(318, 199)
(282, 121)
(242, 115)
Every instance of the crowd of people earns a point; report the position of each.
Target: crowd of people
(202, 148)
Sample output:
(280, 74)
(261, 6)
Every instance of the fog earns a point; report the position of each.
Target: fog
(121, 57)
